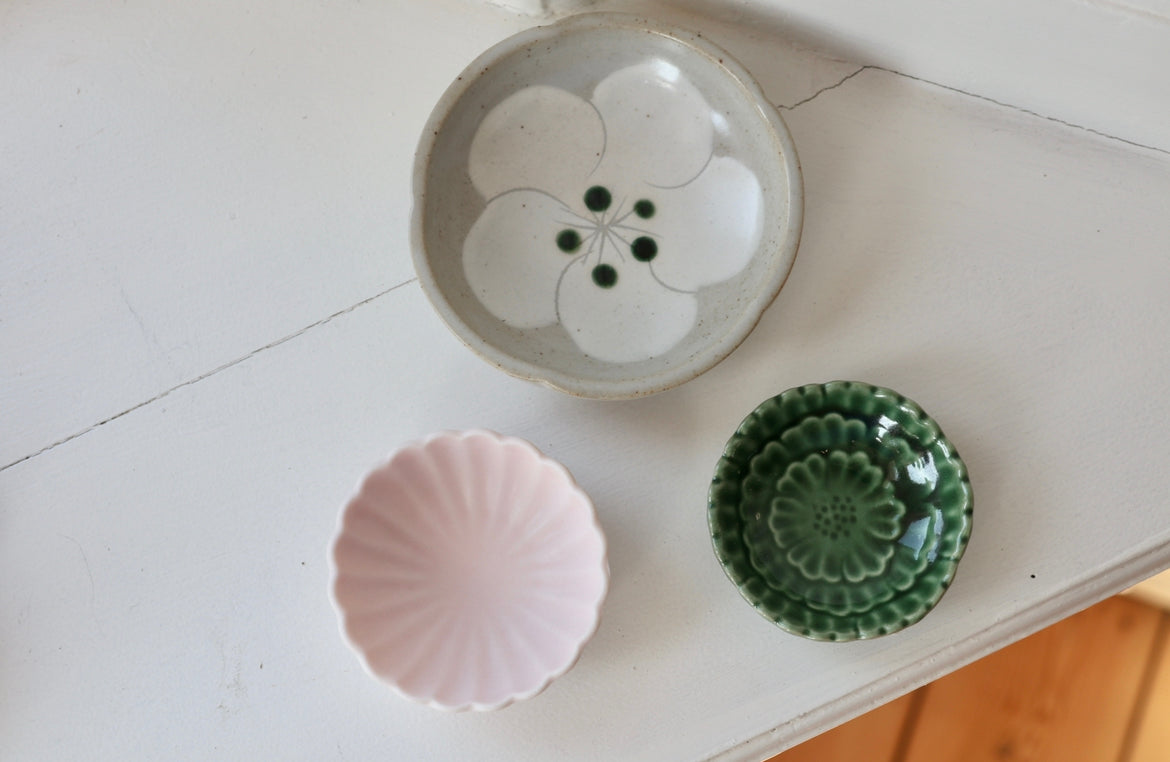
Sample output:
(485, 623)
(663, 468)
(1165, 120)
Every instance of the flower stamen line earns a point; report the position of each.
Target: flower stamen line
(586, 220)
(592, 239)
(614, 219)
(551, 217)
(619, 220)
(633, 229)
(608, 218)
(618, 236)
(616, 248)
(601, 245)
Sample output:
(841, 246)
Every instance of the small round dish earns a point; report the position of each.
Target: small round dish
(840, 511)
(605, 205)
(469, 571)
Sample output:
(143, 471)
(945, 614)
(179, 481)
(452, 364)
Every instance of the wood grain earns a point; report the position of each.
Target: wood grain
(1066, 693)
(1154, 591)
(1152, 743)
(872, 737)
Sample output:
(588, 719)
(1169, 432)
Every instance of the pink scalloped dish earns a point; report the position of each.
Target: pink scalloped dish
(470, 570)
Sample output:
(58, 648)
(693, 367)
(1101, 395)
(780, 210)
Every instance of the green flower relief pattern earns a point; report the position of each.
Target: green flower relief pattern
(836, 517)
(840, 511)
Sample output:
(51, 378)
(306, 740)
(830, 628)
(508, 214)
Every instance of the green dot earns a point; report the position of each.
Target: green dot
(604, 276)
(644, 249)
(644, 208)
(568, 240)
(597, 199)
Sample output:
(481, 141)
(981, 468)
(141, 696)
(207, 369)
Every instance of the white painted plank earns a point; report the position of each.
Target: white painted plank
(1100, 64)
(1002, 270)
(187, 182)
(1004, 263)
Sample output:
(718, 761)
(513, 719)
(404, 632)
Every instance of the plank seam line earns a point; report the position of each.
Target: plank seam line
(210, 373)
(985, 98)
(353, 307)
(910, 724)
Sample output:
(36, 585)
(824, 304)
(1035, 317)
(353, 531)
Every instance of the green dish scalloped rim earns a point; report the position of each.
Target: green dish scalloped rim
(931, 500)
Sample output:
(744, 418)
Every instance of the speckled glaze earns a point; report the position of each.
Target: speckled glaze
(605, 205)
(840, 511)
(469, 571)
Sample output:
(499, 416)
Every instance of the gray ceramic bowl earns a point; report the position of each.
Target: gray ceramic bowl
(605, 205)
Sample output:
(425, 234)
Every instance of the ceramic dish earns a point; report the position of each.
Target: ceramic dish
(469, 571)
(840, 511)
(605, 205)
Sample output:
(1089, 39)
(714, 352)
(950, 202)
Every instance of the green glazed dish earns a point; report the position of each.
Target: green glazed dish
(840, 511)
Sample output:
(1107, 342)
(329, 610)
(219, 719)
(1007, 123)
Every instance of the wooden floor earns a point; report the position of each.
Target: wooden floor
(1093, 688)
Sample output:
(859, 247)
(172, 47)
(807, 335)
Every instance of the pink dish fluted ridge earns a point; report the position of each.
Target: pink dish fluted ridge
(470, 570)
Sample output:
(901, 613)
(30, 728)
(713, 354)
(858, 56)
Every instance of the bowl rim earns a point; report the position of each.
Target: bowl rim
(499, 440)
(740, 571)
(707, 356)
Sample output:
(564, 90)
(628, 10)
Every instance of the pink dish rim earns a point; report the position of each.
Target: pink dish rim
(499, 440)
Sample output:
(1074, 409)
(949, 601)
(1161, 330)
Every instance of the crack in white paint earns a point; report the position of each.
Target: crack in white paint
(209, 374)
(977, 96)
(826, 89)
(366, 301)
(1023, 110)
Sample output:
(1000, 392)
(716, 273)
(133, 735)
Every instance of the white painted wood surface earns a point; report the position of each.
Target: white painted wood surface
(1097, 64)
(209, 330)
